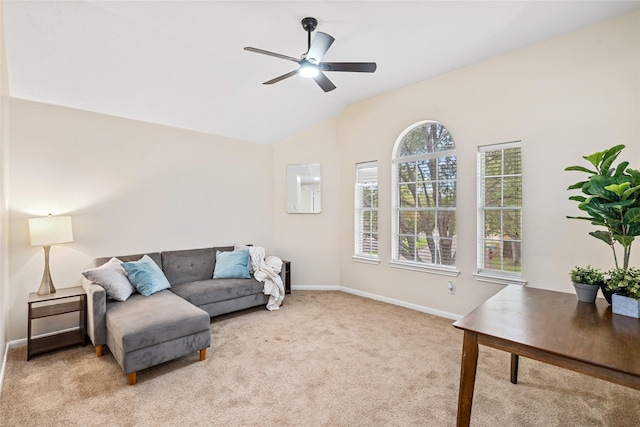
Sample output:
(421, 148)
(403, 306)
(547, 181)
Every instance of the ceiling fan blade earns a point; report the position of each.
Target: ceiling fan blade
(324, 82)
(282, 77)
(359, 67)
(277, 55)
(319, 46)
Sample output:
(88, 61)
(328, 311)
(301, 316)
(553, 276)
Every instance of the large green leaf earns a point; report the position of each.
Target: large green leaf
(618, 189)
(580, 169)
(625, 241)
(621, 168)
(578, 198)
(628, 192)
(602, 235)
(609, 157)
(632, 216)
(577, 185)
(595, 158)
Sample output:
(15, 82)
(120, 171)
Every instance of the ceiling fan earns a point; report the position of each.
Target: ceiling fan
(310, 62)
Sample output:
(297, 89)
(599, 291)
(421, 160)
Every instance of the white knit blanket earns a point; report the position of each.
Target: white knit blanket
(267, 270)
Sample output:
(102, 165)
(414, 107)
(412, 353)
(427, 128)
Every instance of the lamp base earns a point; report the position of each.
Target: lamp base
(46, 285)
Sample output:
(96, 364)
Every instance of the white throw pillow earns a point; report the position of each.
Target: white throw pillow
(112, 278)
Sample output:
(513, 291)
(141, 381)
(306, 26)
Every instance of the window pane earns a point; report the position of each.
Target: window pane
(407, 172)
(445, 247)
(407, 196)
(511, 256)
(493, 192)
(493, 224)
(512, 224)
(447, 193)
(426, 222)
(414, 142)
(512, 161)
(512, 191)
(407, 222)
(493, 163)
(425, 195)
(426, 170)
(492, 257)
(406, 248)
(447, 167)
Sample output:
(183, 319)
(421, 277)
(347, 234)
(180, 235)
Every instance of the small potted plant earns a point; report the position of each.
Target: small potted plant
(625, 285)
(586, 281)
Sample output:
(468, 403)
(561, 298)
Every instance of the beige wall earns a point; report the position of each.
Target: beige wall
(563, 98)
(129, 187)
(310, 241)
(4, 120)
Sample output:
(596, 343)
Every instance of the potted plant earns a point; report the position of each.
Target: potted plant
(610, 199)
(625, 285)
(586, 280)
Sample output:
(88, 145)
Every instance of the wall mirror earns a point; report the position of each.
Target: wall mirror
(303, 188)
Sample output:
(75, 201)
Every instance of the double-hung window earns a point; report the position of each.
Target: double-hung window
(424, 199)
(366, 211)
(500, 210)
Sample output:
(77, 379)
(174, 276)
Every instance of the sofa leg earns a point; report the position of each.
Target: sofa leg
(133, 378)
(99, 350)
(203, 354)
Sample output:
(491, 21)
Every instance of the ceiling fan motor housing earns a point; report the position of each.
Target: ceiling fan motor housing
(309, 24)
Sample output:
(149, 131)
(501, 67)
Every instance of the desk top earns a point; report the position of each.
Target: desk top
(58, 294)
(557, 323)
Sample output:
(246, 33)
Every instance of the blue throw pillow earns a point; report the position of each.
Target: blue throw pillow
(146, 276)
(232, 265)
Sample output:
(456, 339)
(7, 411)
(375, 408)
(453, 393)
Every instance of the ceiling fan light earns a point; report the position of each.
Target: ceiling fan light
(309, 70)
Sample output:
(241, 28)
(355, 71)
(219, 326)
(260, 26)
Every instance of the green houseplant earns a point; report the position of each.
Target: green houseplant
(587, 280)
(625, 285)
(610, 199)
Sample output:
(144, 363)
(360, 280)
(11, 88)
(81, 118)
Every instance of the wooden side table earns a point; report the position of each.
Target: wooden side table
(287, 281)
(66, 300)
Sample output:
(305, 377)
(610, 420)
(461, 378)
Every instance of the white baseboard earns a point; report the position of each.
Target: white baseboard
(369, 295)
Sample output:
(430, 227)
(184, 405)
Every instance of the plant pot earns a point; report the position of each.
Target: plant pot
(625, 306)
(607, 294)
(586, 293)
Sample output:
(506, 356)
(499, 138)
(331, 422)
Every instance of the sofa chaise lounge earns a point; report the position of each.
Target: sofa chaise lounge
(145, 331)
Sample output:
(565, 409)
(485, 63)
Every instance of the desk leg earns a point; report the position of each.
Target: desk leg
(468, 368)
(514, 368)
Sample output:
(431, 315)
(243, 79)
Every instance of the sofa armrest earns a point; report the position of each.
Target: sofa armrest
(96, 312)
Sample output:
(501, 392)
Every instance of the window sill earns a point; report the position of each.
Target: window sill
(365, 260)
(500, 279)
(426, 268)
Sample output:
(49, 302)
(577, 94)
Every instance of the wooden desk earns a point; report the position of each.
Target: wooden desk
(554, 328)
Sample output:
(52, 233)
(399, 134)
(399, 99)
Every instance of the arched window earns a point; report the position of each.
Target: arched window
(424, 197)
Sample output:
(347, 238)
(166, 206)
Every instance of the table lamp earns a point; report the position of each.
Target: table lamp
(47, 231)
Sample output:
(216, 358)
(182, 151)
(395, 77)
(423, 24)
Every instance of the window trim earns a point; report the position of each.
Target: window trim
(483, 274)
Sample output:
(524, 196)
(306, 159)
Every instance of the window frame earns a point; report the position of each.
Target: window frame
(396, 161)
(482, 273)
(358, 254)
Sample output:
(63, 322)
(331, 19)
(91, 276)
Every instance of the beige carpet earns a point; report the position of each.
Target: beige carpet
(324, 359)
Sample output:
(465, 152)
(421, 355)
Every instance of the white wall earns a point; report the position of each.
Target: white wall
(564, 98)
(129, 187)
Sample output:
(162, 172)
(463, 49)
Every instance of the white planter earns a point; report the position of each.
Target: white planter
(625, 306)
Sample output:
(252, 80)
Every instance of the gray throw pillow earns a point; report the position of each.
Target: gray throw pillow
(112, 278)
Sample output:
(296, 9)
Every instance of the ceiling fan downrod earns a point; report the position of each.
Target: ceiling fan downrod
(309, 24)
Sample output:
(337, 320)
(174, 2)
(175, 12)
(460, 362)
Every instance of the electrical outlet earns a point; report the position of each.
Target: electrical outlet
(451, 287)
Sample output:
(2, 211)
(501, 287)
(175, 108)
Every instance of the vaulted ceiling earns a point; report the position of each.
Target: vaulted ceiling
(182, 63)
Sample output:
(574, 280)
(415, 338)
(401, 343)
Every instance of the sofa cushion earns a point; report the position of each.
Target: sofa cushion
(145, 321)
(112, 278)
(232, 265)
(145, 276)
(188, 265)
(207, 291)
(155, 256)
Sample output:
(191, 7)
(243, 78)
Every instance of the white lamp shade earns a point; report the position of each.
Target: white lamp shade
(50, 230)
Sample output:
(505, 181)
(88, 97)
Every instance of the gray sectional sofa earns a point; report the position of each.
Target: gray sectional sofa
(144, 331)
